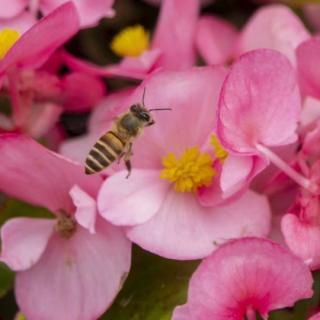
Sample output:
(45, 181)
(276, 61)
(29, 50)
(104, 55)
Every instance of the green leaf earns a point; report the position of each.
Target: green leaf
(154, 287)
(16, 208)
(6, 279)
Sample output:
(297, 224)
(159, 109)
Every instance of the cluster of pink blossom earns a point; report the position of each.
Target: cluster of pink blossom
(229, 174)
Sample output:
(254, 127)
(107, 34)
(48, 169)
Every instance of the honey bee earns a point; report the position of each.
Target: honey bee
(117, 143)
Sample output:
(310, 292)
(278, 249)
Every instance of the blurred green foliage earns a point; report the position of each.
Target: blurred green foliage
(154, 287)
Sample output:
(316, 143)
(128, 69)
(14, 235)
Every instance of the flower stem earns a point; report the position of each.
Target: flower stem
(282, 165)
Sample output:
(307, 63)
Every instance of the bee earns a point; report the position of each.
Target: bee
(117, 143)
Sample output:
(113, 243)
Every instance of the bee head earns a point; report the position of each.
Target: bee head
(142, 113)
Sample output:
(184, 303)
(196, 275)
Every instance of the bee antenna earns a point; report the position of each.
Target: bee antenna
(159, 109)
(143, 95)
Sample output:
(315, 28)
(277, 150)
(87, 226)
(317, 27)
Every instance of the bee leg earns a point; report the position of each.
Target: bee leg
(127, 161)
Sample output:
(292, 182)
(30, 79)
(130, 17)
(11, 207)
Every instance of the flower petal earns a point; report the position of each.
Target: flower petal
(77, 99)
(34, 174)
(238, 171)
(21, 23)
(215, 39)
(90, 11)
(42, 39)
(182, 229)
(130, 67)
(86, 209)
(259, 102)
(244, 274)
(12, 8)
(192, 95)
(81, 276)
(303, 239)
(181, 313)
(102, 116)
(274, 27)
(176, 44)
(308, 68)
(23, 241)
(132, 201)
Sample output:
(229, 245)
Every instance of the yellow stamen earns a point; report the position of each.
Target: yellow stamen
(191, 171)
(219, 152)
(20, 316)
(130, 42)
(8, 37)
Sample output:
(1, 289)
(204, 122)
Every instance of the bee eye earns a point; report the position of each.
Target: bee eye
(134, 108)
(145, 116)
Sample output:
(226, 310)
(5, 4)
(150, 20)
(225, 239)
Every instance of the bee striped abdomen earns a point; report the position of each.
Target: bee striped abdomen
(105, 151)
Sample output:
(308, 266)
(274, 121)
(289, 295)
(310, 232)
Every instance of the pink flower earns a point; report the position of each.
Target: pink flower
(73, 265)
(259, 109)
(161, 203)
(243, 277)
(173, 49)
(89, 11)
(216, 39)
(274, 27)
(301, 225)
(29, 52)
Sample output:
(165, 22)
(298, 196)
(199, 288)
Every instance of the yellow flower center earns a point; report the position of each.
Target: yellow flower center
(130, 42)
(8, 37)
(219, 152)
(191, 171)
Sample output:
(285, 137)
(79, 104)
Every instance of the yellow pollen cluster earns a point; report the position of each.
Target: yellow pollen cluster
(191, 171)
(219, 152)
(130, 42)
(8, 38)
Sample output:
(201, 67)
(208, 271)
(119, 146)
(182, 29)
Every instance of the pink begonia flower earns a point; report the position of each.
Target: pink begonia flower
(79, 259)
(243, 277)
(173, 49)
(259, 109)
(171, 163)
(29, 52)
(215, 39)
(301, 230)
(274, 27)
(36, 45)
(307, 65)
(301, 225)
(89, 11)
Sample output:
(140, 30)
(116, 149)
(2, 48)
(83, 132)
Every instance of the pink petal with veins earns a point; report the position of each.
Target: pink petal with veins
(243, 276)
(259, 102)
